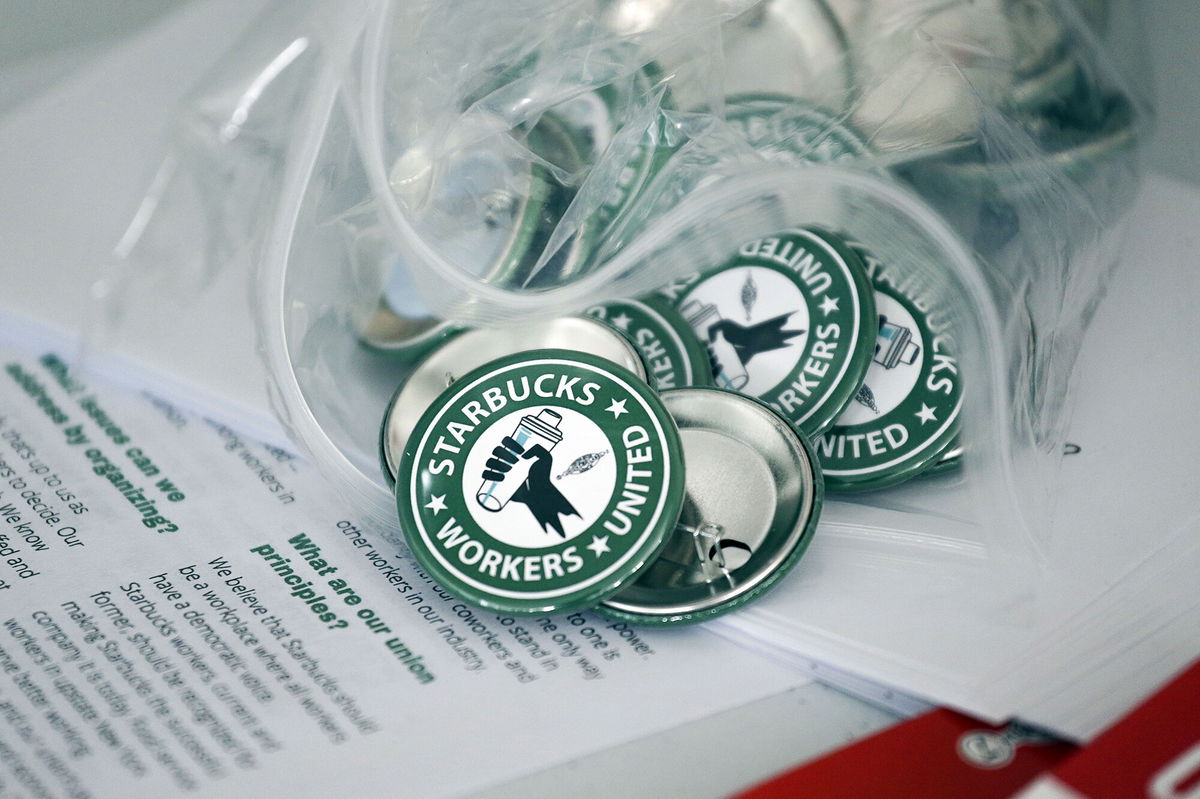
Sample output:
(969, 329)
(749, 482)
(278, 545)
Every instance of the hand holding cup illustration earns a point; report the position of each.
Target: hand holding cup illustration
(519, 471)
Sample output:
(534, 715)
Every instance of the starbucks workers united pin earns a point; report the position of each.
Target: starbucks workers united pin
(904, 418)
(673, 355)
(788, 320)
(541, 482)
(788, 131)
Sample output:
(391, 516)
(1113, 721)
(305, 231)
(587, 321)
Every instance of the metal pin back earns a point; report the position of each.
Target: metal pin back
(753, 496)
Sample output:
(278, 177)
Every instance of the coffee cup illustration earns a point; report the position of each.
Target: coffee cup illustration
(894, 345)
(704, 317)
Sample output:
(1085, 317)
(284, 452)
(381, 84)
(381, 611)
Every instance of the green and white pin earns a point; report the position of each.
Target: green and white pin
(401, 326)
(786, 130)
(950, 461)
(789, 320)
(754, 495)
(904, 418)
(622, 156)
(541, 482)
(492, 212)
(592, 117)
(553, 142)
(673, 355)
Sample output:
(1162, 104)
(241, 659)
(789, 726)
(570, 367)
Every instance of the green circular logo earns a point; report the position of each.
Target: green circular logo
(541, 482)
(673, 356)
(785, 321)
(905, 414)
(786, 131)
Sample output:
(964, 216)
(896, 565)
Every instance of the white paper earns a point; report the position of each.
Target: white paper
(78, 159)
(1112, 613)
(164, 630)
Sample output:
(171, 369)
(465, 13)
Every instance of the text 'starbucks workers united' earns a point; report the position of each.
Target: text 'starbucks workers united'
(788, 320)
(540, 482)
(673, 355)
(905, 415)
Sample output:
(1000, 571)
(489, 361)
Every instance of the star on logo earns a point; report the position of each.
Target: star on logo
(828, 305)
(437, 504)
(616, 408)
(926, 414)
(621, 322)
(599, 545)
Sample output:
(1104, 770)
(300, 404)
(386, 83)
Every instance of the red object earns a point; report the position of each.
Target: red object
(938, 755)
(1154, 752)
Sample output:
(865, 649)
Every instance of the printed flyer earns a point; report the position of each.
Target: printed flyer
(184, 610)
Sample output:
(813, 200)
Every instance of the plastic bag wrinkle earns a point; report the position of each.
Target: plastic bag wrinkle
(348, 145)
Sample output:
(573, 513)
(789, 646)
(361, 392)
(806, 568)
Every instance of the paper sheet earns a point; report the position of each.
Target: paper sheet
(185, 609)
(1113, 612)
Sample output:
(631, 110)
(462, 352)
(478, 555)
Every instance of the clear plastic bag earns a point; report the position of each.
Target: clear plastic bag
(485, 168)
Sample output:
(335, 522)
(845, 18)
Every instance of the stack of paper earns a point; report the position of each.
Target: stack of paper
(184, 608)
(1114, 609)
(1106, 612)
